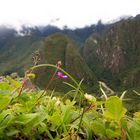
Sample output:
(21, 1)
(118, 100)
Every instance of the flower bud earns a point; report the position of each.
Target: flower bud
(88, 97)
(59, 64)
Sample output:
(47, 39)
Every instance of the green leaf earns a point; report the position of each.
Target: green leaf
(67, 112)
(137, 116)
(134, 131)
(15, 83)
(55, 118)
(25, 118)
(4, 114)
(4, 101)
(114, 108)
(6, 121)
(5, 86)
(42, 128)
(32, 124)
(112, 134)
(98, 128)
(12, 132)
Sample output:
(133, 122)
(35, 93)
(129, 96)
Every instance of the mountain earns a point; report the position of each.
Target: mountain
(114, 55)
(16, 47)
(16, 53)
(58, 47)
(106, 52)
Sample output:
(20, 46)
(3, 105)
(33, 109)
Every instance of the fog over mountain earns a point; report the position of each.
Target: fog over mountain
(44, 30)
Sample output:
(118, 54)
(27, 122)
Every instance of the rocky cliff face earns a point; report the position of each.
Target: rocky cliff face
(116, 52)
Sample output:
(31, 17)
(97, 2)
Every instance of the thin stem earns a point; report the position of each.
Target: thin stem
(58, 68)
(81, 119)
(24, 80)
(90, 107)
(50, 81)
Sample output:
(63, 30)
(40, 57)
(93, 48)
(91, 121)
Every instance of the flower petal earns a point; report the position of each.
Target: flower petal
(59, 74)
(64, 76)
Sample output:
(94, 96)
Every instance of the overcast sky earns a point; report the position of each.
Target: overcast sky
(73, 13)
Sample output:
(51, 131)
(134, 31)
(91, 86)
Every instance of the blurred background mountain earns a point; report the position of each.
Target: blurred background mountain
(106, 52)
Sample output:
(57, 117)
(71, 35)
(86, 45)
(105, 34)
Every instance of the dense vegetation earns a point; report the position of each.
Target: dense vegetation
(29, 113)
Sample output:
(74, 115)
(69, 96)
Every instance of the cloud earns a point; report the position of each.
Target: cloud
(73, 13)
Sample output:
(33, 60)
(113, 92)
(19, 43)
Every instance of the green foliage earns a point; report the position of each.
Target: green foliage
(28, 114)
(114, 108)
(4, 101)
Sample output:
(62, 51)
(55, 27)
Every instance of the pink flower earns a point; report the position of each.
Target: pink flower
(59, 74)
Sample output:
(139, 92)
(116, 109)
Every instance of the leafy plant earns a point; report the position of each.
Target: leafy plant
(37, 114)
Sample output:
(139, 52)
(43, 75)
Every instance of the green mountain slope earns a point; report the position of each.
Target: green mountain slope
(58, 47)
(114, 55)
(15, 55)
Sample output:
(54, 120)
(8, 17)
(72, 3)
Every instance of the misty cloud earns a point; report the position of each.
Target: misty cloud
(73, 13)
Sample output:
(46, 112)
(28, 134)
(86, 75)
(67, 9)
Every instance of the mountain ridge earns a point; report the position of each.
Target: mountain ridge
(117, 51)
(58, 47)
(110, 52)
